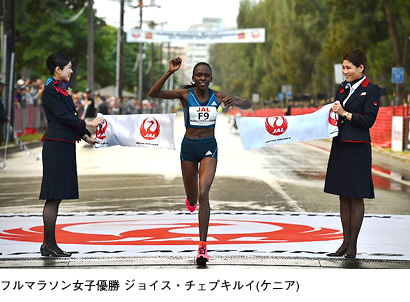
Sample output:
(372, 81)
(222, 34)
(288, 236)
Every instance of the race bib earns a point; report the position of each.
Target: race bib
(202, 116)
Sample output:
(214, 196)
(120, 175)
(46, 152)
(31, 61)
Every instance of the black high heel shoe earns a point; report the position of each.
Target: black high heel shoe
(350, 256)
(336, 254)
(49, 252)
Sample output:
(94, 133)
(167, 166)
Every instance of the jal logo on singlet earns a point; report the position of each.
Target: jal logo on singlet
(202, 116)
(150, 128)
(276, 125)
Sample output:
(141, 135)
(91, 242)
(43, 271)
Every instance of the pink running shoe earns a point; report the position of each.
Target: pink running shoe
(189, 207)
(202, 257)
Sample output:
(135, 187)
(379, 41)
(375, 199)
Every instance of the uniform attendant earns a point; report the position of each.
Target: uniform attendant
(349, 171)
(64, 129)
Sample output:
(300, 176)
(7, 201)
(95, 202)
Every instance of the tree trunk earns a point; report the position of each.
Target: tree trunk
(401, 59)
(406, 51)
(394, 32)
(73, 79)
(90, 47)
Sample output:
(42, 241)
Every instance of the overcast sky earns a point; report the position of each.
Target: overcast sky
(180, 14)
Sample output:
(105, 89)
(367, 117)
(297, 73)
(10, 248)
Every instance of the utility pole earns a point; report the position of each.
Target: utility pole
(9, 35)
(151, 78)
(141, 45)
(120, 52)
(3, 67)
(161, 70)
(169, 59)
(90, 46)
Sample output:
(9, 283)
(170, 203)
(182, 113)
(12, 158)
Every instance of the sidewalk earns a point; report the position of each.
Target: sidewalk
(13, 148)
(402, 156)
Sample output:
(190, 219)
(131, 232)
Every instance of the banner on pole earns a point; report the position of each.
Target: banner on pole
(137, 130)
(249, 35)
(258, 132)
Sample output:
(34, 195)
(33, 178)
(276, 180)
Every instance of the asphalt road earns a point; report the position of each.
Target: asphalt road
(287, 177)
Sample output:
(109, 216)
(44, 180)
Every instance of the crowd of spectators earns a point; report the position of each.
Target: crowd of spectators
(26, 111)
(87, 102)
(28, 92)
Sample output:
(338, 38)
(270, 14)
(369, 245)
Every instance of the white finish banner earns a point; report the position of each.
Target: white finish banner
(258, 132)
(249, 35)
(137, 130)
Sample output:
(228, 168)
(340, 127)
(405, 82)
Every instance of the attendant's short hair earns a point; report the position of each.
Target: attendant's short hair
(357, 57)
(57, 59)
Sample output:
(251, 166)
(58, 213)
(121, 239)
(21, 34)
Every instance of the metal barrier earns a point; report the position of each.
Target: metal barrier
(29, 120)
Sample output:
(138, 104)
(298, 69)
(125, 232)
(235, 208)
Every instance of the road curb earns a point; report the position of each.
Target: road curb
(14, 148)
(34, 144)
(389, 154)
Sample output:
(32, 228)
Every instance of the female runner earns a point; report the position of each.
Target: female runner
(199, 150)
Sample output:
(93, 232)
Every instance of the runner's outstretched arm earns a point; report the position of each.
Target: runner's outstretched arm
(230, 101)
(156, 91)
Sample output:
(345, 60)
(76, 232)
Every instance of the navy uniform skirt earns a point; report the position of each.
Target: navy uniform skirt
(349, 171)
(59, 171)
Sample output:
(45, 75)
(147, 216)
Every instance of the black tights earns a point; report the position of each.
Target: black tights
(50, 213)
(351, 215)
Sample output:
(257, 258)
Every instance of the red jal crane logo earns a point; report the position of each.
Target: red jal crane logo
(136, 34)
(278, 127)
(150, 128)
(173, 233)
(101, 130)
(332, 118)
(255, 34)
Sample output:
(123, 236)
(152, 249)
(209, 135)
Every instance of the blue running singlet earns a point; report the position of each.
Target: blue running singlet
(199, 115)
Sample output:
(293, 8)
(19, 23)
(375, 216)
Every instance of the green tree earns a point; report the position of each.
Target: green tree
(40, 31)
(42, 27)
(304, 39)
(289, 55)
(398, 19)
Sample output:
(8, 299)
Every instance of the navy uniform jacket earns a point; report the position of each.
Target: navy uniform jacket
(363, 104)
(63, 122)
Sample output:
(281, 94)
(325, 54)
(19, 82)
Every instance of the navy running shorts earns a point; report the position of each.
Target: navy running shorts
(196, 149)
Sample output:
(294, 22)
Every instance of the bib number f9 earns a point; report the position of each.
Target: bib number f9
(202, 116)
